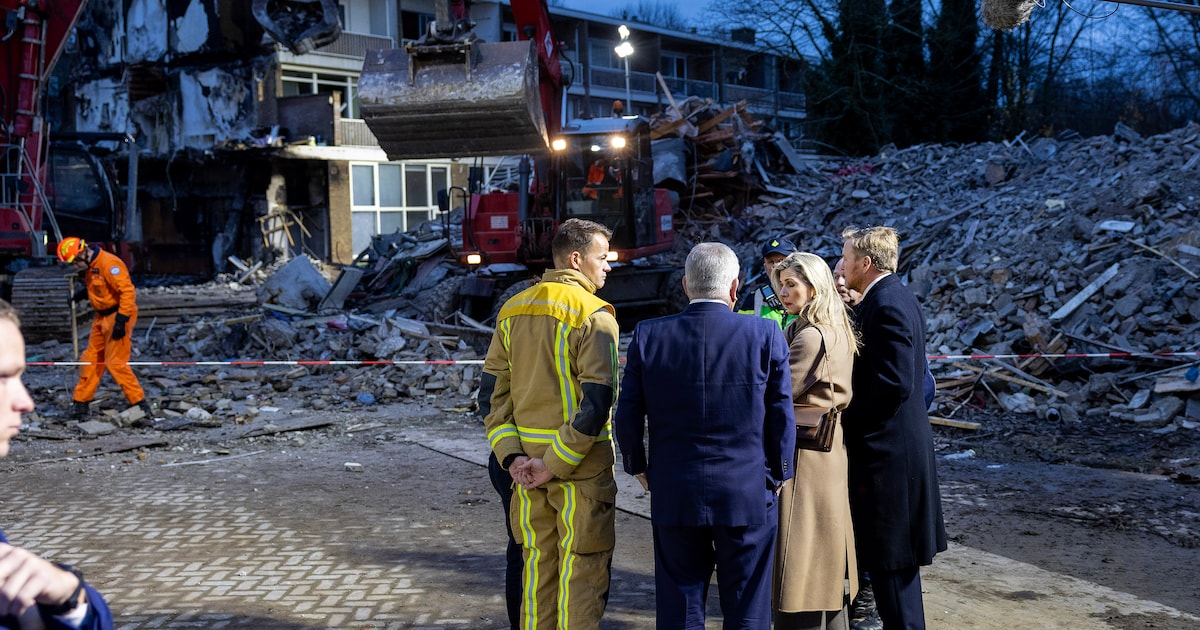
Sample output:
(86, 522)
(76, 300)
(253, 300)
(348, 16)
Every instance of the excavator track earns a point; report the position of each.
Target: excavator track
(42, 296)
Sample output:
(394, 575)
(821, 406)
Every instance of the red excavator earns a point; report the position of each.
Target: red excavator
(450, 95)
(50, 188)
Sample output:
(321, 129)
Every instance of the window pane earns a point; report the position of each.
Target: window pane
(416, 218)
(389, 185)
(390, 222)
(291, 88)
(353, 111)
(362, 182)
(362, 228)
(416, 192)
(439, 179)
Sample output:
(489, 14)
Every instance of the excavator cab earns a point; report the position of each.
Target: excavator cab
(449, 94)
(606, 174)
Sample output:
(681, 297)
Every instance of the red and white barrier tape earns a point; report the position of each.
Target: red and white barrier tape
(1065, 355)
(261, 363)
(932, 357)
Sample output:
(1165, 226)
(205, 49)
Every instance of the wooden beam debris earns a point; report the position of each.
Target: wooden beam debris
(951, 422)
(1163, 256)
(1086, 293)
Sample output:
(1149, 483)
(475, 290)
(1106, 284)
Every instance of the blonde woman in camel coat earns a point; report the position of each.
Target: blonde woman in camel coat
(814, 556)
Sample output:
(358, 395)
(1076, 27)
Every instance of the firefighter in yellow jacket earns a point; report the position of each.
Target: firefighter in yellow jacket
(546, 394)
(114, 300)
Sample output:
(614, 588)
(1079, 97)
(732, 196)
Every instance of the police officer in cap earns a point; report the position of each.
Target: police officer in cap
(763, 301)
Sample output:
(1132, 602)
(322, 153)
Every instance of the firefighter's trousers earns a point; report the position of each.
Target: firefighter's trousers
(112, 355)
(568, 541)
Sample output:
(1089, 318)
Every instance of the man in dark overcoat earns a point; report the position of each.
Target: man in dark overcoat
(895, 503)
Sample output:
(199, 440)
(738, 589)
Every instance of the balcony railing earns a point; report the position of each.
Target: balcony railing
(355, 133)
(644, 86)
(355, 44)
(615, 78)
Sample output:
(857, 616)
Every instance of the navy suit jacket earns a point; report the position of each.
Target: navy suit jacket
(98, 618)
(714, 388)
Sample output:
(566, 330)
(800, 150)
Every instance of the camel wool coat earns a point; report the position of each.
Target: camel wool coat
(815, 551)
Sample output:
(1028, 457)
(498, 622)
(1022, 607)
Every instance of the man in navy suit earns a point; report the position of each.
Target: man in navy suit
(715, 390)
(895, 503)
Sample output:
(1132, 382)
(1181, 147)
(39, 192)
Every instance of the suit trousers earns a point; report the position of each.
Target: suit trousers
(898, 598)
(567, 539)
(744, 558)
(112, 355)
(503, 483)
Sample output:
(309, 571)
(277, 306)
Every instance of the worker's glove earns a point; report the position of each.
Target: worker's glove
(80, 292)
(119, 326)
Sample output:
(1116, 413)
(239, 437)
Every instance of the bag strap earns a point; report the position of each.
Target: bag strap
(828, 370)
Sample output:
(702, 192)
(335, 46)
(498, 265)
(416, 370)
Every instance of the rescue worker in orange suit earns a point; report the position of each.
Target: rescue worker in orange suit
(114, 300)
(601, 173)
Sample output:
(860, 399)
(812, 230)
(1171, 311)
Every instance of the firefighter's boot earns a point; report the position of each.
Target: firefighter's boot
(79, 411)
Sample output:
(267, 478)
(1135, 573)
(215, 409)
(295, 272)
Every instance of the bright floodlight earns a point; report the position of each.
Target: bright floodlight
(623, 31)
(624, 50)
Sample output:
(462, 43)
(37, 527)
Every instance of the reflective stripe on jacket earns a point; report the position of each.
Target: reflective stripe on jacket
(550, 340)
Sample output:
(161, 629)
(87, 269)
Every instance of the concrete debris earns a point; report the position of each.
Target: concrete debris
(297, 285)
(96, 427)
(1069, 245)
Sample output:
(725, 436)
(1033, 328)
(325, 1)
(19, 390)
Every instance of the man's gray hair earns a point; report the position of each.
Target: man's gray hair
(710, 270)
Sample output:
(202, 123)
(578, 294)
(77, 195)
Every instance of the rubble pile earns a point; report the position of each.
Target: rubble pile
(1076, 245)
(1066, 245)
(725, 155)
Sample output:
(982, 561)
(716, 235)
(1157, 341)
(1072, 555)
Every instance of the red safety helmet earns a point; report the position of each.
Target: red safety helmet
(69, 248)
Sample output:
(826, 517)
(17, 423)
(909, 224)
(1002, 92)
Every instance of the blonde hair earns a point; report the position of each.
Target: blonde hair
(8, 313)
(826, 307)
(880, 244)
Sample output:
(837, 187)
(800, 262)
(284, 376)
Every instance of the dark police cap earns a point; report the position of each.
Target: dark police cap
(778, 245)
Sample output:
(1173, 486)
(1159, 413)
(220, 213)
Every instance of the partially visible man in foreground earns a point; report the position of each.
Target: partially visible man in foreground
(33, 592)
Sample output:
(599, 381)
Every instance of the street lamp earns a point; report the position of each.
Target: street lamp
(624, 50)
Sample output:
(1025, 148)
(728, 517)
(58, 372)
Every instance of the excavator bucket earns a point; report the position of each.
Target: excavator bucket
(457, 100)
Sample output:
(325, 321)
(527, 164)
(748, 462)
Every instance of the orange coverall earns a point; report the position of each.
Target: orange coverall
(111, 293)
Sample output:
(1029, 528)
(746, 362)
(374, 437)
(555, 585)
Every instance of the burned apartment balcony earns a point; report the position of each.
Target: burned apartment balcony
(316, 119)
(349, 45)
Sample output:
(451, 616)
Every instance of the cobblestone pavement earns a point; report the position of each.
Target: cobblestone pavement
(286, 538)
(275, 533)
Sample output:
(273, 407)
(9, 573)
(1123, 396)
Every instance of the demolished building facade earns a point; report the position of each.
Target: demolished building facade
(248, 148)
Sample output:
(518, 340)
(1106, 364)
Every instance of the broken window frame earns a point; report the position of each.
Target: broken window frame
(386, 218)
(323, 81)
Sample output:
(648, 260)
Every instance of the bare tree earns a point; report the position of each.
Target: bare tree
(1029, 66)
(656, 12)
(1174, 52)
